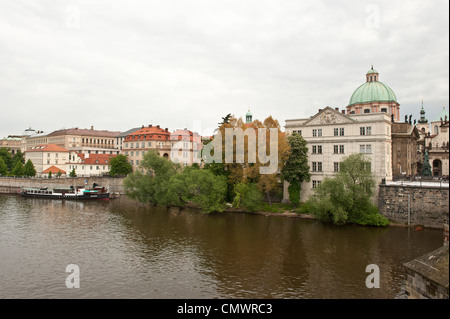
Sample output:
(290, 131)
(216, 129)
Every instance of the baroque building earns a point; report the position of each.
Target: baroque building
(434, 138)
(364, 127)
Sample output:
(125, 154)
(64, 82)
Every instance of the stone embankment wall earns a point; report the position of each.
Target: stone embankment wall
(13, 185)
(427, 206)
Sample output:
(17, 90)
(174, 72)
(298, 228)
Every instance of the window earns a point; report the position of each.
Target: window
(317, 166)
(336, 132)
(384, 110)
(48, 154)
(137, 162)
(341, 149)
(314, 133)
(319, 132)
(341, 131)
(126, 145)
(91, 168)
(314, 149)
(131, 162)
(335, 149)
(315, 184)
(143, 144)
(97, 168)
(366, 111)
(369, 149)
(319, 149)
(131, 145)
(365, 130)
(149, 144)
(362, 149)
(336, 166)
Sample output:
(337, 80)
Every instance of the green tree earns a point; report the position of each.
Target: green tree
(167, 184)
(49, 174)
(247, 195)
(29, 169)
(18, 157)
(120, 166)
(18, 169)
(58, 174)
(296, 168)
(72, 173)
(7, 158)
(151, 187)
(3, 167)
(346, 197)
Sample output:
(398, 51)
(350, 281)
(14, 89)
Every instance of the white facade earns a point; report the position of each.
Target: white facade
(331, 136)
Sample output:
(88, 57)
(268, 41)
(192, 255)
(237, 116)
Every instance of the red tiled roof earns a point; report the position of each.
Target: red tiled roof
(95, 159)
(184, 135)
(54, 170)
(149, 133)
(47, 148)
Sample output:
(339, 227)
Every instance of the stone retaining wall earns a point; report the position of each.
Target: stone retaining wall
(425, 206)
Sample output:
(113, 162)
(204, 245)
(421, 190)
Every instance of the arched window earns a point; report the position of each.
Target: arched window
(436, 129)
(384, 110)
(366, 111)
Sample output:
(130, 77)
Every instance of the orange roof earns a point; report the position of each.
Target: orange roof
(54, 170)
(95, 159)
(184, 135)
(149, 133)
(47, 148)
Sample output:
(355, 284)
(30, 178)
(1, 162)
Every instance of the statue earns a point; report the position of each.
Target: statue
(426, 168)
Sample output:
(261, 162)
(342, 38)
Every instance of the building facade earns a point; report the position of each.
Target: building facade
(88, 141)
(405, 138)
(147, 138)
(86, 165)
(434, 138)
(48, 157)
(332, 135)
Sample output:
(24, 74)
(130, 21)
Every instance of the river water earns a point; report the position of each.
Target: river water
(125, 250)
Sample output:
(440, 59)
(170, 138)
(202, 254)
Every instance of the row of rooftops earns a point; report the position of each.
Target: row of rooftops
(149, 132)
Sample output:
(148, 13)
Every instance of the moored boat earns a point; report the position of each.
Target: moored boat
(73, 192)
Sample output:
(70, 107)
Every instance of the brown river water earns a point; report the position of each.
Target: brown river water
(125, 250)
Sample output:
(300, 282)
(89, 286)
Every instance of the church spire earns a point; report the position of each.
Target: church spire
(422, 120)
(248, 117)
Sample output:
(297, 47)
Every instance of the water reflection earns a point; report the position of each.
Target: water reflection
(126, 250)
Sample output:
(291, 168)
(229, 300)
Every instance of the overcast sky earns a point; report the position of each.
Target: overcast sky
(121, 64)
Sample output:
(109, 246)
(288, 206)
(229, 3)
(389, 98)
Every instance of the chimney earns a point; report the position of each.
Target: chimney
(157, 126)
(343, 112)
(166, 129)
(92, 127)
(320, 110)
(150, 125)
(142, 126)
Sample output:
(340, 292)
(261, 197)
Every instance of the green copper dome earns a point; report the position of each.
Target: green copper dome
(372, 91)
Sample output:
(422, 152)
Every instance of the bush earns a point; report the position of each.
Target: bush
(247, 195)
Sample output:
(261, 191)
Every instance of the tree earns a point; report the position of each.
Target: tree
(346, 197)
(296, 168)
(7, 158)
(166, 183)
(3, 167)
(72, 173)
(120, 165)
(18, 169)
(247, 195)
(29, 169)
(248, 171)
(50, 174)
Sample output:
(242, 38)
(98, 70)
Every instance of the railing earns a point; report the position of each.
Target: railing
(419, 181)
